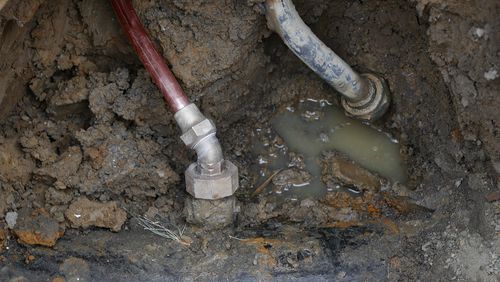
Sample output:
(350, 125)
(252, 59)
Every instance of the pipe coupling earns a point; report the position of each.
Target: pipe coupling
(211, 177)
(194, 125)
(374, 104)
(212, 187)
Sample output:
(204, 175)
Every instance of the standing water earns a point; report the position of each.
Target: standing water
(314, 127)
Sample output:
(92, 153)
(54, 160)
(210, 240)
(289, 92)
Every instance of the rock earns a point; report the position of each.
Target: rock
(37, 228)
(84, 213)
(66, 166)
(75, 269)
(11, 219)
(337, 168)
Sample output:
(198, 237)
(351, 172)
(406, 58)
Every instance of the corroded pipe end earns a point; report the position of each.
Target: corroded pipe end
(376, 102)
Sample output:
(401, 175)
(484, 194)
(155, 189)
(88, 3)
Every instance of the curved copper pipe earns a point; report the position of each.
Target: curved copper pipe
(149, 56)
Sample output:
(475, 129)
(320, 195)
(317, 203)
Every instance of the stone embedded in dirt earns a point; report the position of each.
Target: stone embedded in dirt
(66, 166)
(39, 146)
(11, 219)
(36, 227)
(57, 197)
(337, 168)
(85, 213)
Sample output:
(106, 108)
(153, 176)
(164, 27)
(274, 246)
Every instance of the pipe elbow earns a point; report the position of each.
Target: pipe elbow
(209, 152)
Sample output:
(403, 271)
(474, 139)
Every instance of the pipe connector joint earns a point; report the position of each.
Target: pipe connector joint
(364, 96)
(215, 186)
(197, 132)
(374, 104)
(211, 177)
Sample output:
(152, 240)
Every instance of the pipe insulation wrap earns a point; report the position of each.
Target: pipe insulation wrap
(282, 17)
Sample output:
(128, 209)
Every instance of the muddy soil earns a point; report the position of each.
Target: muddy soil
(88, 148)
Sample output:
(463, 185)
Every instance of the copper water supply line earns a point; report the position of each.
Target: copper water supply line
(211, 177)
(149, 56)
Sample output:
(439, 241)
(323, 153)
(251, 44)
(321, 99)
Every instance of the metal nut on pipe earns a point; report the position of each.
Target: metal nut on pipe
(211, 177)
(376, 102)
(211, 187)
(364, 96)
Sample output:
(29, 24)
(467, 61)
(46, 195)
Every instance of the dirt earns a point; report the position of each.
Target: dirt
(83, 129)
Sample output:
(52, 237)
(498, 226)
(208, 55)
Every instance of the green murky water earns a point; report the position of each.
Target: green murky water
(313, 127)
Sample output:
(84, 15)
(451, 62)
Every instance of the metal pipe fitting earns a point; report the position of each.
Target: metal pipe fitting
(211, 177)
(149, 56)
(365, 96)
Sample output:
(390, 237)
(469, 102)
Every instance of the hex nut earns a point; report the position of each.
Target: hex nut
(377, 103)
(211, 187)
(197, 132)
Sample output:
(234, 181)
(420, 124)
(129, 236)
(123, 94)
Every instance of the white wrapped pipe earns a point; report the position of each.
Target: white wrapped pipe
(365, 96)
(284, 20)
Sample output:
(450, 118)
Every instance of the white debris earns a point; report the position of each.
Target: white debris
(492, 74)
(11, 219)
(478, 32)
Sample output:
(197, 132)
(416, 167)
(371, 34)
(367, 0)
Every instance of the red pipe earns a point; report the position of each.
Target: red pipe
(151, 59)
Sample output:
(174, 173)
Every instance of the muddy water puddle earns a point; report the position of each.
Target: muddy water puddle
(290, 150)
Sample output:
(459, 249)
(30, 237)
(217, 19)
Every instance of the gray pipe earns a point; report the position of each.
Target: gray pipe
(365, 96)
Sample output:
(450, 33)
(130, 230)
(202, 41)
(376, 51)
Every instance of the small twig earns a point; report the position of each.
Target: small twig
(236, 238)
(264, 184)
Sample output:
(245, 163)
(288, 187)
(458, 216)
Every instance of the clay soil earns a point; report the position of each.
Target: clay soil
(87, 144)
